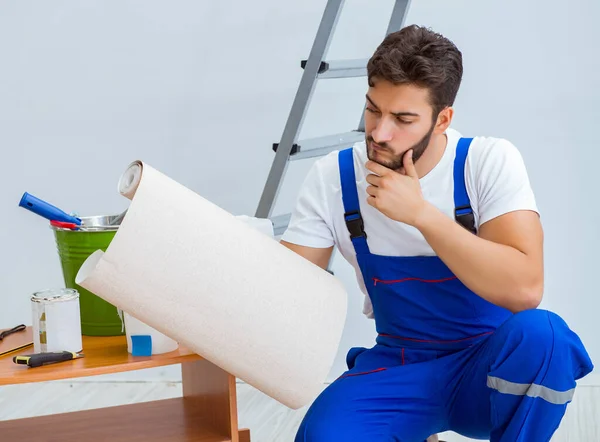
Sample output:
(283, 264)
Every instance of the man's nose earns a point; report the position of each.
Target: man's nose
(382, 132)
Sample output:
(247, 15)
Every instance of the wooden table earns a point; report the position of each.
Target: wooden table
(207, 411)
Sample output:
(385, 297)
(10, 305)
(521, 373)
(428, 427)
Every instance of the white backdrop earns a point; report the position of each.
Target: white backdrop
(200, 90)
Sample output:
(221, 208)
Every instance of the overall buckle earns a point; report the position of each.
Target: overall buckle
(355, 224)
(465, 217)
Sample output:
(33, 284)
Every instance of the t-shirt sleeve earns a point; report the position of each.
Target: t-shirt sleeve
(310, 223)
(501, 181)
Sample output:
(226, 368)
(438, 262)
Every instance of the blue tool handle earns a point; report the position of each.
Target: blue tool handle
(46, 210)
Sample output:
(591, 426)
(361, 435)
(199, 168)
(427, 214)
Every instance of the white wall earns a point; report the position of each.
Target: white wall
(187, 86)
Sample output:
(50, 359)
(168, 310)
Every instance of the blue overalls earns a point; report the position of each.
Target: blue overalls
(445, 358)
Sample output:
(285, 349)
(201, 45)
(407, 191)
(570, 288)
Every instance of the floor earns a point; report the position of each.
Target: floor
(268, 420)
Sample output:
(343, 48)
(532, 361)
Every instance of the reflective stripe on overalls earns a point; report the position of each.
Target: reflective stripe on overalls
(445, 358)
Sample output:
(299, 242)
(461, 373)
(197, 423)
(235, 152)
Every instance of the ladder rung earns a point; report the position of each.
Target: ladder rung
(317, 147)
(280, 223)
(316, 68)
(341, 68)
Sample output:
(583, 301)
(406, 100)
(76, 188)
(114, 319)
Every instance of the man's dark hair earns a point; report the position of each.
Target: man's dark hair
(417, 55)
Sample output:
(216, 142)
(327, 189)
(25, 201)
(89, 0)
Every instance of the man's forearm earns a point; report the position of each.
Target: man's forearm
(498, 273)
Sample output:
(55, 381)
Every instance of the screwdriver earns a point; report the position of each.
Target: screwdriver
(39, 359)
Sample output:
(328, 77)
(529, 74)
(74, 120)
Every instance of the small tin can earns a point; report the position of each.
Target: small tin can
(56, 321)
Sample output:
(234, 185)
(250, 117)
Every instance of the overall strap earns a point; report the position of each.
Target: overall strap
(352, 216)
(463, 213)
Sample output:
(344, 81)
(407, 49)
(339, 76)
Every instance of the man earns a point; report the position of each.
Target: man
(446, 240)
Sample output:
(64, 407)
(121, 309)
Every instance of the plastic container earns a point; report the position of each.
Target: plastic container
(143, 340)
(56, 321)
(98, 317)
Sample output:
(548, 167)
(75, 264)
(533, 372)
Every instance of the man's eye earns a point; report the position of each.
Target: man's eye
(404, 121)
(371, 110)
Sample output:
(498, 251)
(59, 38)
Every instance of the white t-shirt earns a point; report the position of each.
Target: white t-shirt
(496, 180)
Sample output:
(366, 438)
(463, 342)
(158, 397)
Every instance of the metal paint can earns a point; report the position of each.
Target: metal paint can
(98, 317)
(56, 321)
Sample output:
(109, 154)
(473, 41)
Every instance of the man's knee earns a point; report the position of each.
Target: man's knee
(323, 424)
(345, 411)
(314, 428)
(537, 327)
(537, 338)
(525, 345)
(326, 419)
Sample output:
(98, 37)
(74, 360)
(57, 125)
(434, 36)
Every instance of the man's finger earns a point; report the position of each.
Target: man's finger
(378, 168)
(409, 166)
(373, 180)
(372, 201)
(372, 190)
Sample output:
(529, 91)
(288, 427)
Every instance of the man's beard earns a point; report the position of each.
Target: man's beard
(397, 161)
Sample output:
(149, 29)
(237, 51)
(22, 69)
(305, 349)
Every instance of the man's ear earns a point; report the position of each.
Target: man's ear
(444, 120)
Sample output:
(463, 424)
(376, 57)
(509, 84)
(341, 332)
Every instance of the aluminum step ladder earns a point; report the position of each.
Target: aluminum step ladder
(315, 67)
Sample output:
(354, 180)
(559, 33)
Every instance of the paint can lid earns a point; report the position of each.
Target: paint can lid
(98, 223)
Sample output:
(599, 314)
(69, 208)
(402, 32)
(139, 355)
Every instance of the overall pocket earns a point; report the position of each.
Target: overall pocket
(414, 302)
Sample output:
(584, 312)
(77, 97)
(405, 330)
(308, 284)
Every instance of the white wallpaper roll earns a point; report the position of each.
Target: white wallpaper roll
(223, 289)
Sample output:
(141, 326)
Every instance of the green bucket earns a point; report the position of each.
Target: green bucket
(98, 317)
